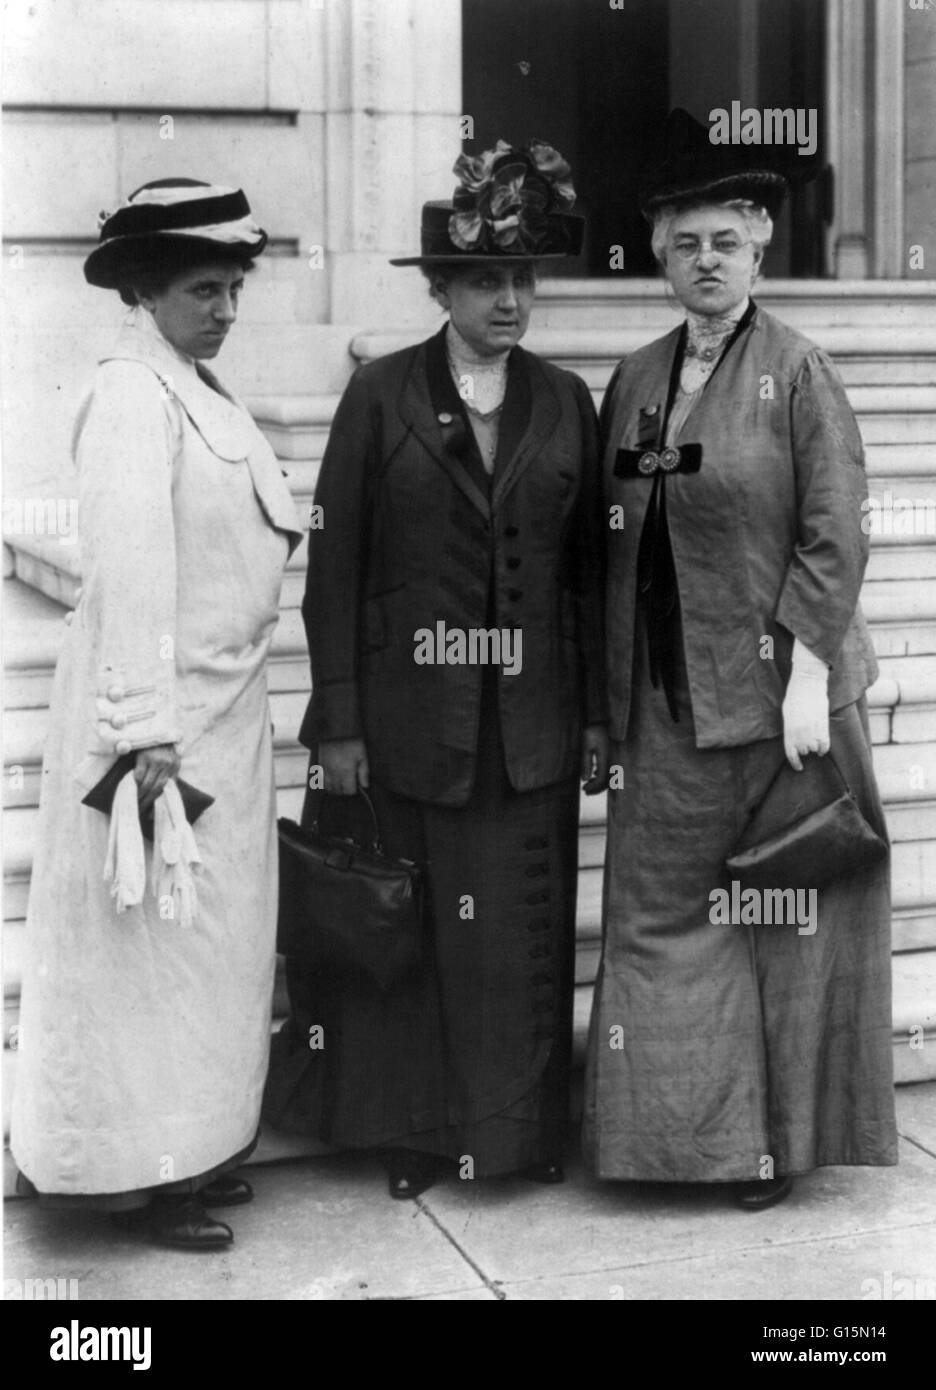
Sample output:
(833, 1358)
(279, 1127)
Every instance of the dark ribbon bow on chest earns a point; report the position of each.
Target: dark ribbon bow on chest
(657, 589)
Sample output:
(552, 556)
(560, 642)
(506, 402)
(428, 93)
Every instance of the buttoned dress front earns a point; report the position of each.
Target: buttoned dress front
(472, 770)
(144, 1043)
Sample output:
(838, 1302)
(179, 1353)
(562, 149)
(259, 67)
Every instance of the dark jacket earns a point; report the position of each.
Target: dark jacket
(766, 537)
(415, 533)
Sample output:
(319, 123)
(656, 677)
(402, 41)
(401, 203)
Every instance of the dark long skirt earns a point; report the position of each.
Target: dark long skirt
(470, 1058)
(714, 1049)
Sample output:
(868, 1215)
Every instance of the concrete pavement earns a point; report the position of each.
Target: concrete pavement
(324, 1229)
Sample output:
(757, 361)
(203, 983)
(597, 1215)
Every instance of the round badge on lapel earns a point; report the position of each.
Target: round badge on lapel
(648, 463)
(444, 417)
(669, 460)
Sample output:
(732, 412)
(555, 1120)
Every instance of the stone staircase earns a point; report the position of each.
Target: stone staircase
(883, 338)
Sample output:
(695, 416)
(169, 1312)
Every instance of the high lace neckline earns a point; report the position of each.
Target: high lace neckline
(481, 381)
(707, 330)
(706, 337)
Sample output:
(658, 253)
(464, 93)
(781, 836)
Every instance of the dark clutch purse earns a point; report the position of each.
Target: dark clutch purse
(101, 795)
(345, 907)
(807, 831)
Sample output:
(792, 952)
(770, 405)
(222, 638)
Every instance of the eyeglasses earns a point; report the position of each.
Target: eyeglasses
(689, 248)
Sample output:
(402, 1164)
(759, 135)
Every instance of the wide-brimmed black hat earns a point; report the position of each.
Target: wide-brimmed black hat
(511, 204)
(171, 221)
(693, 168)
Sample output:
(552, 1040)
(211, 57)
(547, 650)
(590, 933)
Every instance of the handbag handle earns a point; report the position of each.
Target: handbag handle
(377, 845)
(830, 756)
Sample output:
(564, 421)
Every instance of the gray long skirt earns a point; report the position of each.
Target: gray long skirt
(716, 1050)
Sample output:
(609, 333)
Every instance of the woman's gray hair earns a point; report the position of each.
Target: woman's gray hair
(757, 219)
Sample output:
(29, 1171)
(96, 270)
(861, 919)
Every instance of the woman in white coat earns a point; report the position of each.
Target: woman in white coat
(145, 1019)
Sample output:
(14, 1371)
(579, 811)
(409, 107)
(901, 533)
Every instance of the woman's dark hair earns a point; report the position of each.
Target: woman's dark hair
(445, 272)
(153, 273)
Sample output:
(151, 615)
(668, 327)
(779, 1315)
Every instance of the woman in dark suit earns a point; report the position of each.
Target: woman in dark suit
(453, 610)
(729, 1051)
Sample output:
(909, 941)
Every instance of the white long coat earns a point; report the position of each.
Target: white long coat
(143, 1044)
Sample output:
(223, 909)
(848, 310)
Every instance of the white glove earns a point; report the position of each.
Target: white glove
(175, 855)
(125, 862)
(806, 707)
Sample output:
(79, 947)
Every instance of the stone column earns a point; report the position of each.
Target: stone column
(919, 168)
(890, 251)
(847, 114)
(391, 136)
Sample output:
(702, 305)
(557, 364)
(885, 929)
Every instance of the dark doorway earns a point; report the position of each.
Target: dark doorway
(597, 83)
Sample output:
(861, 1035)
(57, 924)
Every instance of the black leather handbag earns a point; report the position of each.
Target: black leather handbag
(807, 831)
(348, 908)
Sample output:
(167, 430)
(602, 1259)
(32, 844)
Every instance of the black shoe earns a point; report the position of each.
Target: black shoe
(182, 1221)
(409, 1173)
(758, 1196)
(24, 1188)
(226, 1191)
(544, 1172)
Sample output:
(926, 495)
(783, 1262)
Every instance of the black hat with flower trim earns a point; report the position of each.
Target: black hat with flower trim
(693, 169)
(511, 204)
(170, 220)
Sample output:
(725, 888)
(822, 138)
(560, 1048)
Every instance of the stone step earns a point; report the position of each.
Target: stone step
(872, 369)
(293, 588)
(296, 426)
(890, 427)
(892, 464)
(563, 302)
(33, 632)
(899, 600)
(905, 638)
(602, 345)
(910, 561)
(897, 474)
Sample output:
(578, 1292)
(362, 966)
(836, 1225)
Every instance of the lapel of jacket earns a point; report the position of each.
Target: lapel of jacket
(531, 415)
(652, 387)
(712, 397)
(223, 424)
(221, 419)
(431, 407)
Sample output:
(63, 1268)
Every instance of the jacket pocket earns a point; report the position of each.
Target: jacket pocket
(375, 627)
